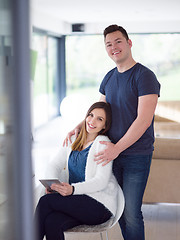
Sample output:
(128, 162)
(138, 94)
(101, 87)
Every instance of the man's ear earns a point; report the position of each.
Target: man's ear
(130, 42)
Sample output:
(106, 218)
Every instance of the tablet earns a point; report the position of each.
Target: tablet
(48, 182)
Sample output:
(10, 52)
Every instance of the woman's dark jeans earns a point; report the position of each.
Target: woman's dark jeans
(55, 214)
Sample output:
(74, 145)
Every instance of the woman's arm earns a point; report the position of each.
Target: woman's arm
(57, 164)
(97, 183)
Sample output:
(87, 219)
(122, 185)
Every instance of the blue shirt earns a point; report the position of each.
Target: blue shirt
(122, 91)
(77, 164)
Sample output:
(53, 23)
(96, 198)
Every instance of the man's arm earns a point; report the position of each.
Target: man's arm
(146, 108)
(102, 98)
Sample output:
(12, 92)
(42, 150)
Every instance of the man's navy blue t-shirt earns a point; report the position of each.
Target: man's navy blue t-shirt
(122, 91)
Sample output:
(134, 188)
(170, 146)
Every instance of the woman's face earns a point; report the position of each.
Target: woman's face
(95, 121)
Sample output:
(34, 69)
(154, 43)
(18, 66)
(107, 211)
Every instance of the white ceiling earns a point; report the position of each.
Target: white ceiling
(109, 11)
(87, 11)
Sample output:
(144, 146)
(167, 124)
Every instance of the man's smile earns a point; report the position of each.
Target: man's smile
(116, 52)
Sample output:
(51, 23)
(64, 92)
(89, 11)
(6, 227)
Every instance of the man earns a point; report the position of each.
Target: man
(132, 90)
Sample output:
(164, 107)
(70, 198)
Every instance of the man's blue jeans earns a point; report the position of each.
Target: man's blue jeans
(132, 173)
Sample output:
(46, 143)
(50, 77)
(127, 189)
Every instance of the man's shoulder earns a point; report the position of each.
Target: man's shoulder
(142, 68)
(142, 72)
(106, 79)
(108, 74)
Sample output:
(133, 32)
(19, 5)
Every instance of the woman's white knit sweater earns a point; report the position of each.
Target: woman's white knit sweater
(99, 183)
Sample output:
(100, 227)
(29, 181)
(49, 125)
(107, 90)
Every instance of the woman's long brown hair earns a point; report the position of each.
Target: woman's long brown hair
(81, 139)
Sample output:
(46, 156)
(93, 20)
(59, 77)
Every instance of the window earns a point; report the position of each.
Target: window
(161, 53)
(86, 65)
(45, 81)
(87, 62)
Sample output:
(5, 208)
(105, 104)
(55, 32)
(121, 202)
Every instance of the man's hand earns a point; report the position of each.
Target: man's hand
(69, 135)
(65, 189)
(108, 154)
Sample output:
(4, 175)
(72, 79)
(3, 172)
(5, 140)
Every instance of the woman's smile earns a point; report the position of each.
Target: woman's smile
(91, 126)
(95, 121)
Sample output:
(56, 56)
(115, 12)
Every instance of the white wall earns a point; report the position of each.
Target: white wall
(138, 26)
(49, 23)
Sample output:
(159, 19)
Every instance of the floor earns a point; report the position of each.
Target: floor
(162, 221)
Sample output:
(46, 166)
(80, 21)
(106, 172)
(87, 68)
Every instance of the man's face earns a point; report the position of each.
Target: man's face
(117, 47)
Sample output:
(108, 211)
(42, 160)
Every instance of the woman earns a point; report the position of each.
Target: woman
(90, 194)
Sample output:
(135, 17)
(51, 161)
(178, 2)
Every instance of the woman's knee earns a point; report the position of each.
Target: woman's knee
(43, 201)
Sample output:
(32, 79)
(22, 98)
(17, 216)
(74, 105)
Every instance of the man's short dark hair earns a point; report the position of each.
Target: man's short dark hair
(114, 28)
